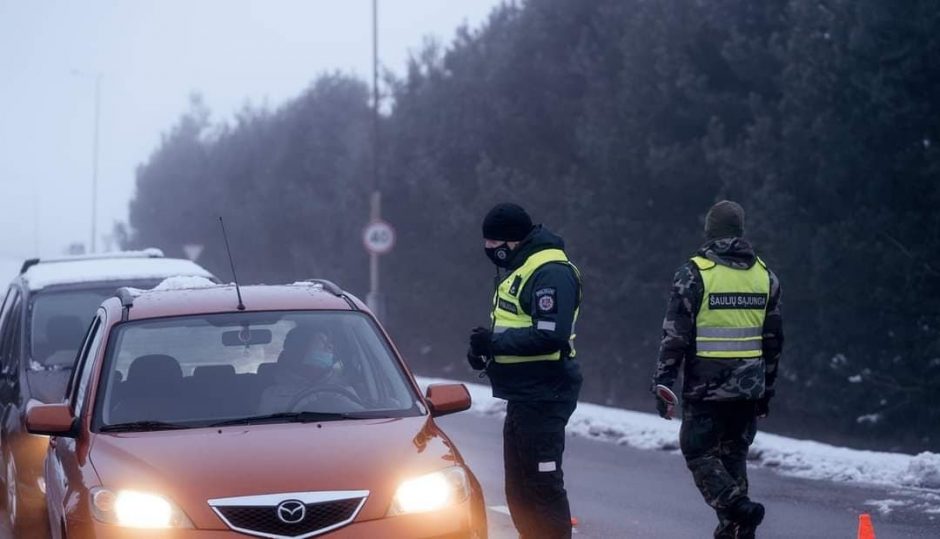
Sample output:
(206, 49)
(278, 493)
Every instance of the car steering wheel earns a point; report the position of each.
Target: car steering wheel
(330, 388)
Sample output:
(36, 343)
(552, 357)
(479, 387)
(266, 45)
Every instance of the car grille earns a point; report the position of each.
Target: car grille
(265, 520)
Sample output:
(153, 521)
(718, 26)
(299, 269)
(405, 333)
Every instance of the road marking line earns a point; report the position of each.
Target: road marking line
(500, 509)
(505, 510)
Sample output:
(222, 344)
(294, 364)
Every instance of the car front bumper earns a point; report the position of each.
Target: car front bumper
(463, 521)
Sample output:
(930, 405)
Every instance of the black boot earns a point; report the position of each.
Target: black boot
(747, 515)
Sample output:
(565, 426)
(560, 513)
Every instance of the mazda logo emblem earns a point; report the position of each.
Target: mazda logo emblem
(291, 511)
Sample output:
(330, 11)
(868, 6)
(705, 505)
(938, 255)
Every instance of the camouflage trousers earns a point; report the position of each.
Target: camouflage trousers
(714, 438)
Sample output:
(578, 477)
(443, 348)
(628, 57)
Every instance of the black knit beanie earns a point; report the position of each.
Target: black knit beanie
(724, 220)
(507, 222)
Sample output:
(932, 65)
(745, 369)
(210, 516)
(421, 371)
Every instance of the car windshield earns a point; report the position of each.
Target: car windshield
(249, 367)
(58, 323)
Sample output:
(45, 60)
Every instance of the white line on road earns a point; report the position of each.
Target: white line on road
(500, 509)
(505, 510)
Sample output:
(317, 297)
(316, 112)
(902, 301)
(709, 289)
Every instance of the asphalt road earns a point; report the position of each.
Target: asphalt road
(620, 492)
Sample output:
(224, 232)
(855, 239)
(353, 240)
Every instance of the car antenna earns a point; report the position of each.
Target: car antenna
(241, 305)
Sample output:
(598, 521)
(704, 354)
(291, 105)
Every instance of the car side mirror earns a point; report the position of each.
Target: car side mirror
(50, 420)
(446, 399)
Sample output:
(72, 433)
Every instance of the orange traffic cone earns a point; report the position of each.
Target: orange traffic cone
(865, 528)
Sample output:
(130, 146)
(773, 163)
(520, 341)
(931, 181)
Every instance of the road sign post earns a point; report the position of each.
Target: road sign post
(378, 237)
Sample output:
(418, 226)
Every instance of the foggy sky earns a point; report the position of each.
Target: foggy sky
(153, 55)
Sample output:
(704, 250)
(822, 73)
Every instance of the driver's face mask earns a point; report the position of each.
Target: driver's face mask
(320, 352)
(319, 358)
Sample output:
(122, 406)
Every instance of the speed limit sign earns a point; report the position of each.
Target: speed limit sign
(378, 237)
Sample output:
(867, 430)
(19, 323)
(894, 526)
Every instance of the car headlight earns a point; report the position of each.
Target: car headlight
(134, 509)
(431, 492)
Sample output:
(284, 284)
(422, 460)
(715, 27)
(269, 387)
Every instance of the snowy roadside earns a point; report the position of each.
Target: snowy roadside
(799, 458)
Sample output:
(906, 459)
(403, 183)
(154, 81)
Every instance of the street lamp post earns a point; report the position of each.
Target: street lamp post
(94, 158)
(94, 166)
(374, 298)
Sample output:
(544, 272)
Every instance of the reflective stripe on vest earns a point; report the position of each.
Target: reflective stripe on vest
(508, 312)
(730, 321)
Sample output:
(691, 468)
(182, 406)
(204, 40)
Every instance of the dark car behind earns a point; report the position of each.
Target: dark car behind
(44, 315)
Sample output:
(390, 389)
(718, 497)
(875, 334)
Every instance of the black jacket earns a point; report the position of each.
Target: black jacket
(540, 380)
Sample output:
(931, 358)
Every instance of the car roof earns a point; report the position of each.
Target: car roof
(211, 298)
(107, 269)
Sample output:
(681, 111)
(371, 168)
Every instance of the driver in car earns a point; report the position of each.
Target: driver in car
(305, 379)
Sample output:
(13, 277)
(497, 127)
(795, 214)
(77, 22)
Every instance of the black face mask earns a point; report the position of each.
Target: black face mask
(499, 255)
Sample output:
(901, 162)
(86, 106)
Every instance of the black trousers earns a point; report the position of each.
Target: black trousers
(714, 438)
(533, 443)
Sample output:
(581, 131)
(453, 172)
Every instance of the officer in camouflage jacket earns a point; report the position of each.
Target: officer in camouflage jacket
(721, 397)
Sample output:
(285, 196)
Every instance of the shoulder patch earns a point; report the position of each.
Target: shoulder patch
(545, 300)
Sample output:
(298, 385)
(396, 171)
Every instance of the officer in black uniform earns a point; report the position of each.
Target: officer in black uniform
(528, 353)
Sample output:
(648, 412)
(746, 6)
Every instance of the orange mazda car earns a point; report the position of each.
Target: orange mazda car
(283, 412)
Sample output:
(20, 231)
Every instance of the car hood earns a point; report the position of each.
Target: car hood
(193, 466)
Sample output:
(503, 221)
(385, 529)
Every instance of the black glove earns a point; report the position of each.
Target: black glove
(663, 408)
(762, 408)
(476, 362)
(481, 342)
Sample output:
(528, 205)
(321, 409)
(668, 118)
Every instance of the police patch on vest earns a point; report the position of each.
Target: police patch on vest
(507, 306)
(737, 301)
(545, 300)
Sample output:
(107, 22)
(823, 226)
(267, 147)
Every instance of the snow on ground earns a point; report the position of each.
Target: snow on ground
(789, 456)
(886, 506)
(919, 500)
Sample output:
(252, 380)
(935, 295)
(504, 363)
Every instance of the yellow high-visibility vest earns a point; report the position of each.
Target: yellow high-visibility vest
(508, 312)
(730, 321)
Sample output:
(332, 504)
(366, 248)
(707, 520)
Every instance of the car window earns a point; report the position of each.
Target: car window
(85, 365)
(72, 386)
(9, 346)
(58, 320)
(207, 368)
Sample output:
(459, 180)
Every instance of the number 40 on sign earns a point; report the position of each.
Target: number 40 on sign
(378, 237)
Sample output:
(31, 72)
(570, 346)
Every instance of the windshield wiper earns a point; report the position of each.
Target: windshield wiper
(137, 426)
(297, 417)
